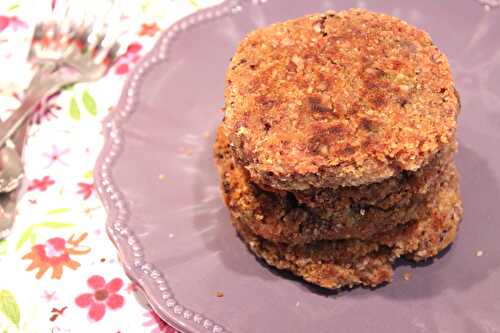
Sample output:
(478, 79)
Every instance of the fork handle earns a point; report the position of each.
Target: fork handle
(35, 93)
(17, 119)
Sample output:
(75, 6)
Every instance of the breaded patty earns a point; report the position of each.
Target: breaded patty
(398, 191)
(279, 217)
(334, 264)
(345, 98)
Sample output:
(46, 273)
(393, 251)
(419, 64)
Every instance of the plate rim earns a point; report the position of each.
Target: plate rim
(149, 279)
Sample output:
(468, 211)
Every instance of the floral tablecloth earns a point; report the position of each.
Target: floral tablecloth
(59, 272)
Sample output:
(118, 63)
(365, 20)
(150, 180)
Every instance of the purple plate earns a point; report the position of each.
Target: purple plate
(173, 233)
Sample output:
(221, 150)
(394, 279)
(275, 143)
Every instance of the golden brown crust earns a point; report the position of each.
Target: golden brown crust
(405, 190)
(334, 264)
(345, 98)
(277, 216)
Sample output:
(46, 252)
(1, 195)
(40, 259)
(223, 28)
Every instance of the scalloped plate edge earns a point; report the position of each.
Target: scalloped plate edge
(148, 278)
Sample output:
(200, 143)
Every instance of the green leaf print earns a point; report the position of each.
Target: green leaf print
(33, 239)
(9, 307)
(89, 103)
(74, 110)
(3, 247)
(88, 175)
(194, 3)
(26, 235)
(54, 225)
(145, 5)
(68, 87)
(13, 7)
(58, 211)
(30, 233)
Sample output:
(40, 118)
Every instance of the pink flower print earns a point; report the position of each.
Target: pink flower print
(12, 21)
(17, 23)
(121, 69)
(131, 56)
(55, 156)
(49, 296)
(4, 22)
(132, 288)
(158, 325)
(44, 109)
(104, 295)
(133, 48)
(86, 190)
(41, 184)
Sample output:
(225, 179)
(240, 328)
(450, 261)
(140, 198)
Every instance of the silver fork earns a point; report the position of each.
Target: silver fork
(64, 52)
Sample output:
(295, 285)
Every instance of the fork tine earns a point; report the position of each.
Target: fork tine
(83, 35)
(50, 35)
(107, 55)
(107, 33)
(113, 52)
(38, 32)
(37, 36)
(64, 21)
(80, 38)
(97, 45)
(100, 27)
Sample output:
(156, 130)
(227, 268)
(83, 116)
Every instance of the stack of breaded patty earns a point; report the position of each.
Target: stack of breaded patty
(336, 150)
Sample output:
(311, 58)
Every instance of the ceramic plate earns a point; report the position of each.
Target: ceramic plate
(157, 179)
